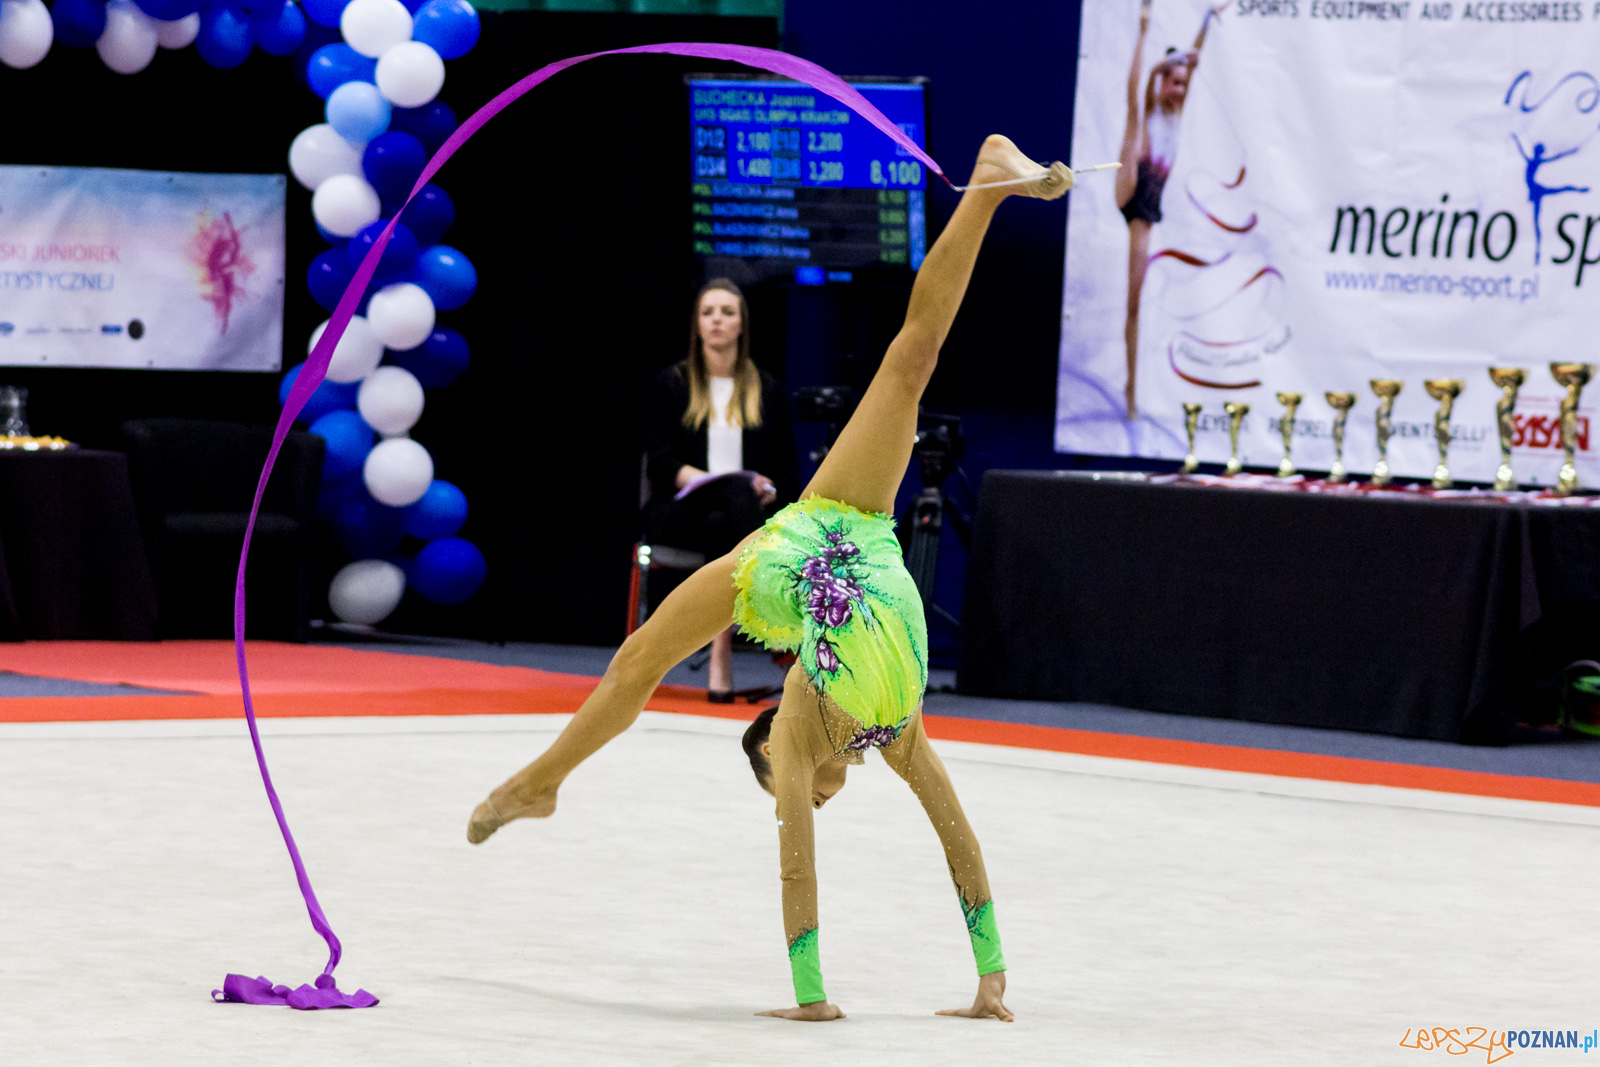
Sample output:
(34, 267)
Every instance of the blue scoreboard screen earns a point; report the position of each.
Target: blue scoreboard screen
(784, 176)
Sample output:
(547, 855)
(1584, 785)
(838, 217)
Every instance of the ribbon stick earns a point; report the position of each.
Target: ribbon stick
(325, 993)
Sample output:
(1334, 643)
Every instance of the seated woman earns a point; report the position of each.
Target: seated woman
(825, 578)
(717, 413)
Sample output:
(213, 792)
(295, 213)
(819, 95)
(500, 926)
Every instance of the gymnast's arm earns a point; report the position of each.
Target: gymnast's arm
(1200, 38)
(912, 757)
(793, 764)
(1132, 146)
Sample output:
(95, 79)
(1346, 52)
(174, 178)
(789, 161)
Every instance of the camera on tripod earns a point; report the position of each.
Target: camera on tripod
(831, 405)
(939, 447)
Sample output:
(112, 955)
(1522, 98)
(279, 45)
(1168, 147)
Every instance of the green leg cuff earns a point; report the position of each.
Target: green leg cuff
(985, 936)
(805, 964)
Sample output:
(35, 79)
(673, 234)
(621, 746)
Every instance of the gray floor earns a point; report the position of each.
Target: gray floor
(31, 685)
(1151, 915)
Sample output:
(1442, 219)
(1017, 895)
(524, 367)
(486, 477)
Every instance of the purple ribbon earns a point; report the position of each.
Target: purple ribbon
(325, 994)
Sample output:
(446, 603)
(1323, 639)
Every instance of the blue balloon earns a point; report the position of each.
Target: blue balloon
(334, 64)
(429, 214)
(412, 5)
(165, 10)
(332, 492)
(327, 396)
(79, 23)
(317, 36)
(438, 361)
(328, 277)
(430, 123)
(225, 39)
(449, 27)
(366, 528)
(448, 571)
(325, 12)
(448, 277)
(357, 111)
(279, 32)
(392, 162)
(440, 513)
(399, 255)
(349, 440)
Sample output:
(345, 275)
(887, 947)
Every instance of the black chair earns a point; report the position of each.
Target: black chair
(193, 481)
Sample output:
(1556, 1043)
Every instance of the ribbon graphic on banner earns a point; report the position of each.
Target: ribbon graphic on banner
(325, 993)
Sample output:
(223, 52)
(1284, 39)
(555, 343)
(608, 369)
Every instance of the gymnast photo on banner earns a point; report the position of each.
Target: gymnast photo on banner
(1149, 150)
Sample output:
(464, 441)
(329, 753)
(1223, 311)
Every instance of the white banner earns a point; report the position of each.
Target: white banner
(1328, 192)
(126, 268)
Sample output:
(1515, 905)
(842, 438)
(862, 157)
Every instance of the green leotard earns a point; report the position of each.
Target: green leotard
(828, 582)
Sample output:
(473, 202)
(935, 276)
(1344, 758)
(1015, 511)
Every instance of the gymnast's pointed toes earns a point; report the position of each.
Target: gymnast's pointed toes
(1055, 183)
(485, 821)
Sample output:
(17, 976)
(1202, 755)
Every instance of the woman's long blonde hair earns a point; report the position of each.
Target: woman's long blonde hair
(745, 408)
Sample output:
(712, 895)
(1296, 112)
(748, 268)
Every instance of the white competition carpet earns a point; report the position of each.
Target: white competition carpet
(1151, 914)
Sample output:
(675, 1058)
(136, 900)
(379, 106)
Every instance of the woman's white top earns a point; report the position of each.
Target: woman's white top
(724, 438)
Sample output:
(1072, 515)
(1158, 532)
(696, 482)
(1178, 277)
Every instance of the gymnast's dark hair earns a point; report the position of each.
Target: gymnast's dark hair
(754, 737)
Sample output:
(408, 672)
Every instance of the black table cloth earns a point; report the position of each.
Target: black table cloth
(72, 561)
(1411, 616)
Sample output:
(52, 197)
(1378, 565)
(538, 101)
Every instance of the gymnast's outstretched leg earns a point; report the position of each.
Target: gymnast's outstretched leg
(865, 466)
(687, 619)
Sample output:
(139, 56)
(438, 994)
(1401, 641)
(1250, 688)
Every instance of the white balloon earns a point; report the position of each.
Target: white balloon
(26, 32)
(357, 354)
(372, 27)
(390, 400)
(345, 204)
(179, 33)
(401, 315)
(410, 74)
(397, 472)
(128, 43)
(366, 591)
(318, 153)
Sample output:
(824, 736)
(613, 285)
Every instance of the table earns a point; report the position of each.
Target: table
(72, 559)
(1385, 613)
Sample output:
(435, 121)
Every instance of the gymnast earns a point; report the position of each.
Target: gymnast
(825, 578)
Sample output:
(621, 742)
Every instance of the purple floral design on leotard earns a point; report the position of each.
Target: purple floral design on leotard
(833, 595)
(873, 737)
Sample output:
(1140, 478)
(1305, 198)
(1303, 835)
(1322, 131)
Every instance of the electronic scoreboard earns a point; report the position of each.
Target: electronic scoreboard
(791, 181)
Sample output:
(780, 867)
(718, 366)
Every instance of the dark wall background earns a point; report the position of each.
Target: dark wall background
(573, 206)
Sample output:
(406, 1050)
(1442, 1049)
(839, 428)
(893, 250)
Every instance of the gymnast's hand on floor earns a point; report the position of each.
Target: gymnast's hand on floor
(987, 1004)
(818, 1011)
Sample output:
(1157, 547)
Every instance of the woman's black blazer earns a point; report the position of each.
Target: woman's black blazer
(768, 448)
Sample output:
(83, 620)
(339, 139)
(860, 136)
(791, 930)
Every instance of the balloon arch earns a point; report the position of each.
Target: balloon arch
(384, 121)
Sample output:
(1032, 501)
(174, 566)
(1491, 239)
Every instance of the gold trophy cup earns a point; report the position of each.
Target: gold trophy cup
(1574, 376)
(1291, 403)
(1341, 403)
(1236, 413)
(1509, 379)
(1386, 389)
(1445, 391)
(1191, 422)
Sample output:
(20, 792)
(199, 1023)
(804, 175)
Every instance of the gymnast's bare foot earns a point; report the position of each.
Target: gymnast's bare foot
(506, 804)
(818, 1011)
(1001, 161)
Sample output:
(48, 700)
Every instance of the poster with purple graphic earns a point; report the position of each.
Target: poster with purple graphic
(1318, 193)
(141, 269)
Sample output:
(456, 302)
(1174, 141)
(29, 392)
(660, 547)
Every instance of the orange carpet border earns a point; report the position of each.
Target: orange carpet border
(561, 694)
